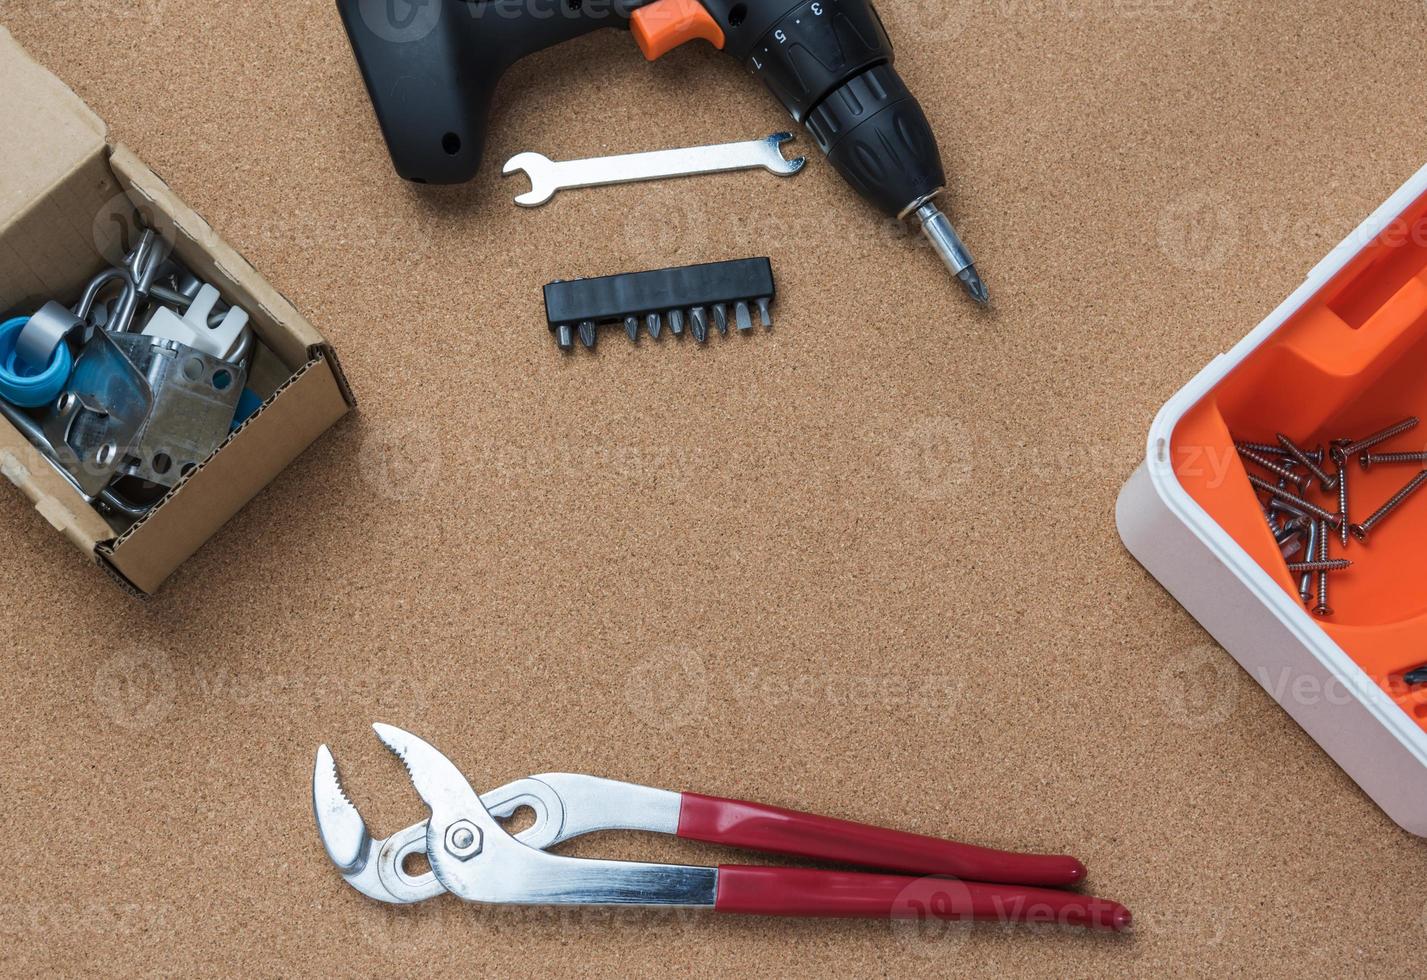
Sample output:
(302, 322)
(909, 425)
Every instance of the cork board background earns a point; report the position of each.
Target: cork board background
(864, 564)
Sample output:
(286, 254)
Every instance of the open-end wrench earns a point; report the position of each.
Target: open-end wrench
(548, 176)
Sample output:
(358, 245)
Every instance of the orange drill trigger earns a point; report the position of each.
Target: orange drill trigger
(663, 25)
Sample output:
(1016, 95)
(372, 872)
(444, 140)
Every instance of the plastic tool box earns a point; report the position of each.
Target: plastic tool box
(1344, 356)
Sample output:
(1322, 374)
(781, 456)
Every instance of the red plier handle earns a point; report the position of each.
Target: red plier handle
(953, 881)
(855, 894)
(777, 831)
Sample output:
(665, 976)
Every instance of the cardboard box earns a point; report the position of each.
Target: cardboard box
(70, 205)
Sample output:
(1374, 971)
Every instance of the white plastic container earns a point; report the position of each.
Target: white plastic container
(1355, 331)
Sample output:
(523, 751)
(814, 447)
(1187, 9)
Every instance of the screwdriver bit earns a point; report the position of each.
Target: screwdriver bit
(763, 313)
(938, 230)
(699, 324)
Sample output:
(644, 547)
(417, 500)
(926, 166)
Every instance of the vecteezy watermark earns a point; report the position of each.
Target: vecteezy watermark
(119, 226)
(407, 929)
(932, 916)
(1207, 229)
(138, 689)
(1200, 689)
(564, 462)
(928, 916)
(1199, 231)
(409, 21)
(686, 220)
(47, 919)
(934, 457)
(401, 21)
(936, 693)
(400, 459)
(1213, 464)
(669, 689)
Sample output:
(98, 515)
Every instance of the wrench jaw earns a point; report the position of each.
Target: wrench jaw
(781, 166)
(540, 171)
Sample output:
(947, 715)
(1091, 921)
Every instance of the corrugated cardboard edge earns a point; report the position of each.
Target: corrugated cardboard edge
(290, 421)
(195, 237)
(326, 350)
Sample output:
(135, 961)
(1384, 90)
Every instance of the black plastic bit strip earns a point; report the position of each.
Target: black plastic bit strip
(693, 295)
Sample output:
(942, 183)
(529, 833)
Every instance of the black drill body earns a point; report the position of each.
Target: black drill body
(432, 75)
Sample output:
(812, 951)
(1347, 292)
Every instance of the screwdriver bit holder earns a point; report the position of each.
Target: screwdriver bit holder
(692, 296)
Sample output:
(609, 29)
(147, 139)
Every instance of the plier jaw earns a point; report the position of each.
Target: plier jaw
(473, 857)
(376, 867)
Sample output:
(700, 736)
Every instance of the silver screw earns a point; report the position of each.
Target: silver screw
(1361, 531)
(1328, 565)
(1271, 450)
(1323, 610)
(1310, 463)
(1371, 459)
(1299, 480)
(1353, 448)
(1305, 584)
(1333, 520)
(1343, 499)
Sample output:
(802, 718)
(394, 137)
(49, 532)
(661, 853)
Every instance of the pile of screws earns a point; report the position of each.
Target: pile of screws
(1305, 530)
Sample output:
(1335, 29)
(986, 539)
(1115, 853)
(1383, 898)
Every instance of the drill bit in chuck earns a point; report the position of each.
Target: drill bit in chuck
(937, 227)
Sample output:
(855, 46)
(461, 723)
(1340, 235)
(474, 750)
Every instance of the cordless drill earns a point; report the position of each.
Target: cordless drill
(431, 68)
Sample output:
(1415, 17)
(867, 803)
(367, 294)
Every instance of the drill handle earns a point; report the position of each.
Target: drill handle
(431, 68)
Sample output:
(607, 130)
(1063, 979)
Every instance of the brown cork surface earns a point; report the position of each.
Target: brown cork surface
(865, 564)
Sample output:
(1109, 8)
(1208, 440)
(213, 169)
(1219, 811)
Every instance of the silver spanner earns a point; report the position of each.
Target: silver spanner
(548, 176)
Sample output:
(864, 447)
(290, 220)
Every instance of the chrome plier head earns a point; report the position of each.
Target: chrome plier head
(474, 858)
(376, 867)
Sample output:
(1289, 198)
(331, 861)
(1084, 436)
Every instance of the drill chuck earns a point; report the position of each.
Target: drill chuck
(876, 135)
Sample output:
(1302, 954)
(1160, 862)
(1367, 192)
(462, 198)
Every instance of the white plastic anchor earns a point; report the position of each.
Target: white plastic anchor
(193, 330)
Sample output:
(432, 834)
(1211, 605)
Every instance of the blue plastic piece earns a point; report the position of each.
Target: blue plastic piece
(21, 383)
(248, 403)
